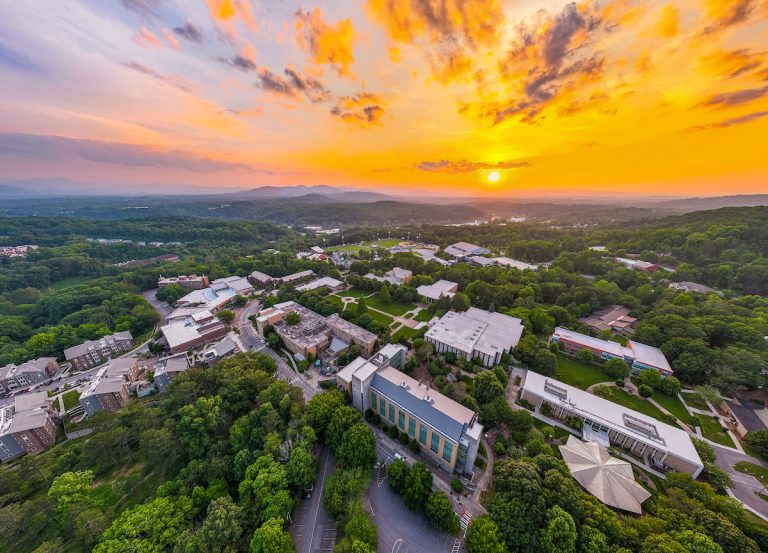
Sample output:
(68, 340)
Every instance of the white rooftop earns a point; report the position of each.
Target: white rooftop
(671, 439)
(328, 282)
(477, 330)
(589, 341)
(515, 264)
(438, 289)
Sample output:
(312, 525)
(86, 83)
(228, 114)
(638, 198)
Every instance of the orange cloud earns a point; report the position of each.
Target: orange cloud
(668, 24)
(227, 12)
(146, 38)
(171, 39)
(331, 44)
(732, 63)
(362, 108)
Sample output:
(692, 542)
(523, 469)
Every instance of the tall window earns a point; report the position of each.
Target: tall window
(391, 414)
(447, 451)
(373, 401)
(435, 445)
(383, 408)
(423, 434)
(412, 427)
(401, 420)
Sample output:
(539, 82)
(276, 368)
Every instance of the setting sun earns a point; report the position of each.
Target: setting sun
(494, 176)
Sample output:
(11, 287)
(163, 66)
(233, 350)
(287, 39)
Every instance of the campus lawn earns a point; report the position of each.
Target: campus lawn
(712, 430)
(393, 307)
(352, 293)
(423, 316)
(617, 395)
(71, 399)
(405, 331)
(695, 400)
(578, 374)
(672, 404)
(381, 317)
(69, 281)
(759, 472)
(349, 248)
(386, 243)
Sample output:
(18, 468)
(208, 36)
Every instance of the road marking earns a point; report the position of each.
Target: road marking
(398, 544)
(317, 507)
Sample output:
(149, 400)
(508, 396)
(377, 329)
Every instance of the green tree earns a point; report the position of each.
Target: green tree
(199, 424)
(220, 530)
(670, 386)
(359, 528)
(483, 536)
(384, 295)
(362, 308)
(616, 369)
(585, 356)
(340, 488)
(272, 538)
(159, 447)
(70, 488)
(645, 390)
(544, 362)
(226, 316)
(560, 534)
(758, 441)
(321, 408)
(650, 377)
(440, 514)
(397, 473)
(357, 448)
(301, 468)
(487, 387)
(343, 419)
(293, 318)
(152, 526)
(461, 302)
(418, 486)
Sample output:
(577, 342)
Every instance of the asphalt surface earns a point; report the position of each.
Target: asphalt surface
(744, 486)
(313, 531)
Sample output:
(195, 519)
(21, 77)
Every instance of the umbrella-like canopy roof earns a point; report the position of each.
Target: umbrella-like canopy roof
(607, 478)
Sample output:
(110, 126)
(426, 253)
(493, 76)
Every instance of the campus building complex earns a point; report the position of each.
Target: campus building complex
(395, 276)
(614, 318)
(220, 292)
(192, 282)
(660, 446)
(169, 369)
(329, 283)
(476, 334)
(510, 263)
(193, 331)
(17, 377)
(461, 250)
(638, 356)
(109, 390)
(314, 334)
(441, 288)
(95, 352)
(26, 426)
(446, 430)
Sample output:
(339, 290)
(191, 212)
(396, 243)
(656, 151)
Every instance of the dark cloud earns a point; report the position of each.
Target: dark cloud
(60, 148)
(741, 120)
(189, 31)
(145, 8)
(15, 60)
(549, 57)
(363, 108)
(239, 62)
(179, 82)
(466, 166)
(735, 97)
(292, 84)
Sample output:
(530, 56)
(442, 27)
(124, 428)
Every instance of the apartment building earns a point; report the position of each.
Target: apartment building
(476, 334)
(638, 356)
(260, 279)
(17, 377)
(447, 431)
(95, 352)
(26, 426)
(109, 392)
(660, 445)
(169, 369)
(193, 282)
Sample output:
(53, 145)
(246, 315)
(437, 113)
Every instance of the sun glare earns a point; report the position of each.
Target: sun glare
(494, 176)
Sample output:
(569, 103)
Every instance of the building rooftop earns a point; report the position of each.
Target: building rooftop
(35, 365)
(259, 276)
(482, 261)
(296, 276)
(515, 264)
(438, 411)
(180, 332)
(237, 284)
(692, 287)
(309, 331)
(462, 249)
(328, 282)
(585, 340)
(477, 330)
(613, 316)
(649, 355)
(29, 411)
(104, 384)
(339, 324)
(175, 364)
(648, 430)
(438, 289)
(363, 368)
(85, 347)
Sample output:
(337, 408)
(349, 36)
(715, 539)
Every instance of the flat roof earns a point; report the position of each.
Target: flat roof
(649, 355)
(477, 330)
(329, 282)
(363, 368)
(673, 439)
(440, 412)
(515, 264)
(589, 341)
(181, 332)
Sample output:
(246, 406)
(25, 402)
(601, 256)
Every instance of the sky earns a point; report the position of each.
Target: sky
(487, 97)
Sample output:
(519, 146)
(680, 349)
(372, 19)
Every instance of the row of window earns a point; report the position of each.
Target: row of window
(380, 404)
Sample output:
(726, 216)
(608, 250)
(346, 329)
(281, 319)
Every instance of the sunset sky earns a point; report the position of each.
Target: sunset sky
(647, 97)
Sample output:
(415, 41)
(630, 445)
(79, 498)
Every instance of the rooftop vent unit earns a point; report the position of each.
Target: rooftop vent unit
(643, 427)
(562, 393)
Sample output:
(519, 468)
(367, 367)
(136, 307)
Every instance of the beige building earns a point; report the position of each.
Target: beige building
(26, 426)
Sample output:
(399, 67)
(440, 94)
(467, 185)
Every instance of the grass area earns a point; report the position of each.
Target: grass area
(423, 316)
(70, 281)
(381, 317)
(71, 399)
(578, 374)
(713, 430)
(672, 404)
(759, 472)
(695, 401)
(347, 248)
(337, 300)
(393, 307)
(351, 293)
(405, 331)
(559, 432)
(617, 395)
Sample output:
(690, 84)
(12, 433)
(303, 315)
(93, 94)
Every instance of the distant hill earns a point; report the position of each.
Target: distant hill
(305, 193)
(697, 204)
(59, 187)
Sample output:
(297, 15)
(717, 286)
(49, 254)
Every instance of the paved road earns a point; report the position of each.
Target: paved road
(312, 529)
(744, 486)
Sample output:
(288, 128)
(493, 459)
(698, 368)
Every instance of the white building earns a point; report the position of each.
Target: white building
(460, 250)
(330, 283)
(395, 276)
(433, 292)
(218, 294)
(476, 333)
(510, 263)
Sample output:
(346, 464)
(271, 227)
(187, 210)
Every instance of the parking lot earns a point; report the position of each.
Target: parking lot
(313, 531)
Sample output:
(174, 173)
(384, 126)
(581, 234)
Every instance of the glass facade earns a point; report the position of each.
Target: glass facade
(435, 445)
(412, 427)
(423, 434)
(373, 401)
(391, 414)
(401, 420)
(447, 451)
(383, 408)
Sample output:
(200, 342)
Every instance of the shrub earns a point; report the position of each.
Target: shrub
(457, 486)
(620, 383)
(644, 390)
(393, 432)
(404, 439)
(415, 447)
